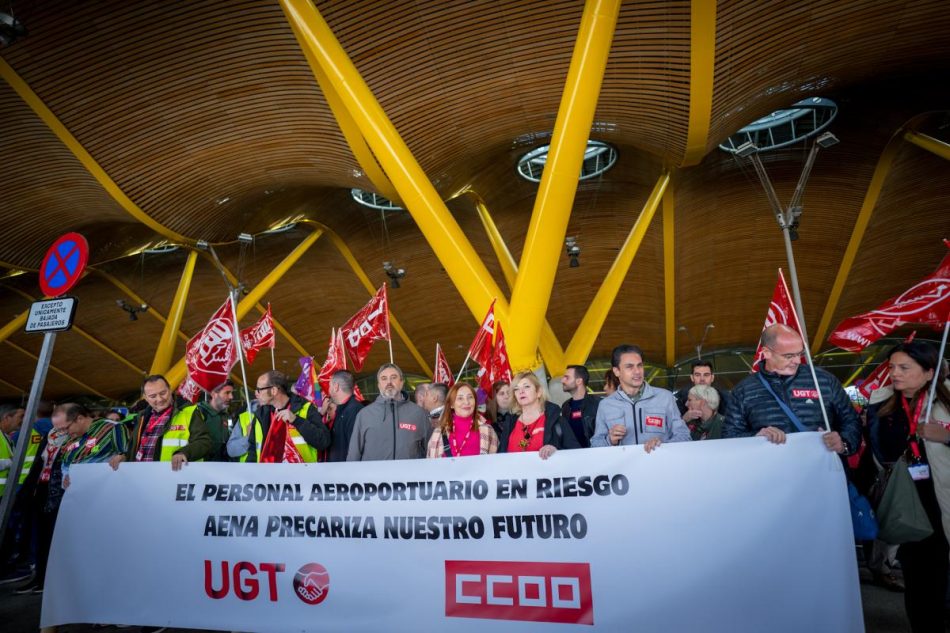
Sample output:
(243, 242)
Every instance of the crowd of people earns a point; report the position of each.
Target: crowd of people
(438, 422)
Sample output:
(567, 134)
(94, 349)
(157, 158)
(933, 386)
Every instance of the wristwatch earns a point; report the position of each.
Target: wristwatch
(847, 448)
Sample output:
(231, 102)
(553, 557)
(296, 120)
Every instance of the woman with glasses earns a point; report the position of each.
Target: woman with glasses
(462, 430)
(538, 425)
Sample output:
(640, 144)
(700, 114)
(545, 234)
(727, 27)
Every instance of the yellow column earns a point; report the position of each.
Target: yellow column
(857, 234)
(166, 344)
(702, 62)
(929, 143)
(550, 347)
(14, 326)
(177, 373)
(668, 276)
(590, 326)
(456, 254)
(544, 241)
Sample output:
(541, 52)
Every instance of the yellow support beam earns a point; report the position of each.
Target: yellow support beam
(857, 372)
(134, 296)
(177, 373)
(14, 326)
(166, 344)
(56, 126)
(544, 241)
(871, 197)
(89, 337)
(652, 375)
(669, 278)
(450, 245)
(260, 308)
(549, 346)
(702, 62)
(587, 332)
(347, 254)
(56, 370)
(929, 143)
(351, 132)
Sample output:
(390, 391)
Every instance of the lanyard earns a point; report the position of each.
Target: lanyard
(912, 423)
(456, 451)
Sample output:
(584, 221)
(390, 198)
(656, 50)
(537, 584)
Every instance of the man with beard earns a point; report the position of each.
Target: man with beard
(391, 427)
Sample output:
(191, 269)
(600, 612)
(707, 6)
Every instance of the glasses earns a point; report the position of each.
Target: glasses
(260, 389)
(791, 356)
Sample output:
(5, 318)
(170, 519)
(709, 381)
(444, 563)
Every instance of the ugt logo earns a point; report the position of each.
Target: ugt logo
(312, 583)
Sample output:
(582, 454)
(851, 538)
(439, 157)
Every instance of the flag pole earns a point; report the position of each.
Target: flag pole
(240, 348)
(435, 365)
(785, 220)
(464, 364)
(936, 378)
(273, 363)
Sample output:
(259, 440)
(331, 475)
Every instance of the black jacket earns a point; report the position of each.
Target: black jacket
(311, 427)
(753, 408)
(557, 431)
(588, 416)
(343, 429)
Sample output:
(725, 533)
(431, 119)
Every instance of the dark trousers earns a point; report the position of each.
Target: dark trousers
(924, 564)
(46, 521)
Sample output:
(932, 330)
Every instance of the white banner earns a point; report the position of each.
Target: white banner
(736, 535)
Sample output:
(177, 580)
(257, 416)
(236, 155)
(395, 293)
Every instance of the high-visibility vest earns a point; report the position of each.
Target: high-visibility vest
(244, 420)
(5, 453)
(32, 446)
(307, 452)
(176, 437)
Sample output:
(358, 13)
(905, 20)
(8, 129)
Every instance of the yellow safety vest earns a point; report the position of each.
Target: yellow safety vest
(244, 420)
(176, 437)
(307, 452)
(32, 447)
(5, 453)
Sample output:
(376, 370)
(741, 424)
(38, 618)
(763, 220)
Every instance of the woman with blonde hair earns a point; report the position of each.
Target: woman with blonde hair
(462, 430)
(538, 424)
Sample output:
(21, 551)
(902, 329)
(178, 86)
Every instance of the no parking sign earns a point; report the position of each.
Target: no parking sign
(64, 264)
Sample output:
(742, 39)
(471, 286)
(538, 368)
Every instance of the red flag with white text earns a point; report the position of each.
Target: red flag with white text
(500, 365)
(336, 360)
(781, 310)
(481, 348)
(367, 326)
(881, 376)
(190, 390)
(259, 336)
(443, 374)
(212, 352)
(279, 445)
(927, 302)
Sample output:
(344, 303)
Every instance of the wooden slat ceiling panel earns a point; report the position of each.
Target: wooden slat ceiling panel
(44, 187)
(194, 109)
(771, 54)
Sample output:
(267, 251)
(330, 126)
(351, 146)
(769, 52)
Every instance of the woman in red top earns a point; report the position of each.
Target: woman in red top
(462, 430)
(539, 426)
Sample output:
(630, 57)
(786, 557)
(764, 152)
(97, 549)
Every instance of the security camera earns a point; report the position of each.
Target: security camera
(11, 29)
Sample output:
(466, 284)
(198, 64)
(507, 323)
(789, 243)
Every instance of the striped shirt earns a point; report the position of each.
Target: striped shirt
(103, 440)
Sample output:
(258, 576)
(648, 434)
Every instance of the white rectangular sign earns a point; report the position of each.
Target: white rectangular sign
(51, 315)
(728, 535)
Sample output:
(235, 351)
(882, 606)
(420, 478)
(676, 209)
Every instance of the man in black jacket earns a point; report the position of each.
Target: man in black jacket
(581, 410)
(303, 421)
(756, 408)
(347, 406)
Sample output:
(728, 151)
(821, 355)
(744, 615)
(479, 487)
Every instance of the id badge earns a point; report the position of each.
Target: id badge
(919, 472)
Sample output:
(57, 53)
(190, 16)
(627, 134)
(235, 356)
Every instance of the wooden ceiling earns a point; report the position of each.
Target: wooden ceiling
(206, 117)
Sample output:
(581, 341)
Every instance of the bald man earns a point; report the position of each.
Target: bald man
(757, 406)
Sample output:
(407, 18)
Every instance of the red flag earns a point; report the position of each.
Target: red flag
(336, 360)
(500, 365)
(367, 326)
(258, 336)
(781, 310)
(481, 348)
(190, 390)
(443, 373)
(212, 352)
(926, 302)
(279, 446)
(881, 376)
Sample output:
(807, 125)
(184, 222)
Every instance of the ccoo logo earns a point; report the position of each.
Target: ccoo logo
(312, 583)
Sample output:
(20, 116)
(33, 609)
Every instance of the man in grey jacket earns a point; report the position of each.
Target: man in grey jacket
(637, 413)
(391, 427)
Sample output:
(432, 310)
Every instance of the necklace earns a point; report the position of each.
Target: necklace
(528, 432)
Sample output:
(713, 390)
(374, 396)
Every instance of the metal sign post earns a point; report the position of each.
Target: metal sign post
(19, 454)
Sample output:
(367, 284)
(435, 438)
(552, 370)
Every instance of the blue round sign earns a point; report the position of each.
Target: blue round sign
(64, 264)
